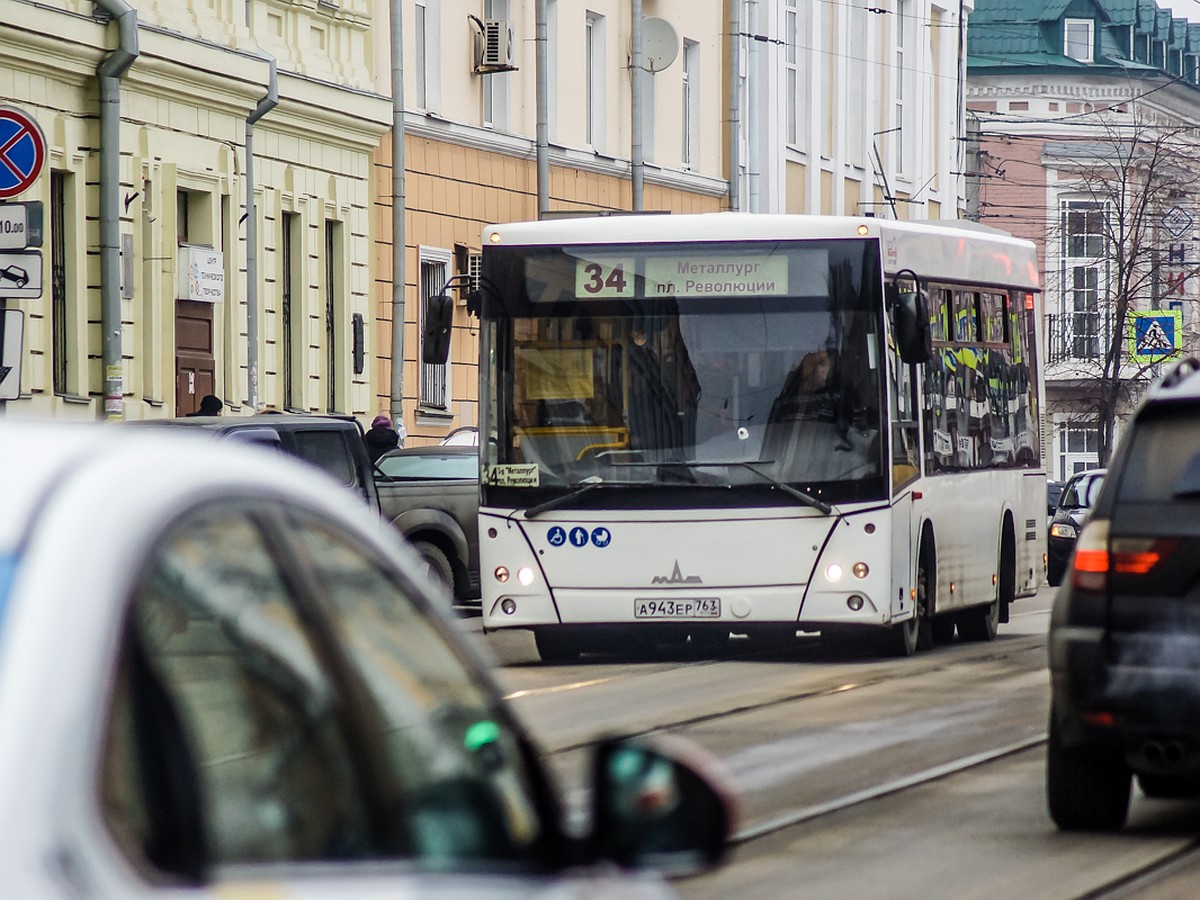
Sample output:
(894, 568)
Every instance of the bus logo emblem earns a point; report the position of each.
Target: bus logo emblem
(676, 577)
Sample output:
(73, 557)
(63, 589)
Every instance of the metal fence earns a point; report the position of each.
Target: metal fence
(1076, 336)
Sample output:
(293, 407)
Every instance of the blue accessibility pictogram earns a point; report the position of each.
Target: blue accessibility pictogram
(601, 537)
(557, 536)
(579, 536)
(22, 152)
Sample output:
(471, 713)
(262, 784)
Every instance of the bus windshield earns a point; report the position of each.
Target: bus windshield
(740, 365)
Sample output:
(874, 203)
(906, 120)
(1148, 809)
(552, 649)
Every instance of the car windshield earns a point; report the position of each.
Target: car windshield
(1082, 491)
(448, 466)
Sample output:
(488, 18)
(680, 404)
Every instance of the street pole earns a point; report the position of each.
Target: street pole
(396, 407)
(542, 100)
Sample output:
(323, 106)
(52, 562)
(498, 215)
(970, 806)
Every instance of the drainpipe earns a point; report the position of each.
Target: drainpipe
(109, 74)
(636, 163)
(265, 105)
(542, 92)
(398, 238)
(735, 106)
(753, 114)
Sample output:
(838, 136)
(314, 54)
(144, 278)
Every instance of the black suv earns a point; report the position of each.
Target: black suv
(1125, 629)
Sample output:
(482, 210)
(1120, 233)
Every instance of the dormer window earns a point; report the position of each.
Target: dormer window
(1077, 39)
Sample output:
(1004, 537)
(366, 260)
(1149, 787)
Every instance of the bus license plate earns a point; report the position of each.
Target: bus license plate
(691, 608)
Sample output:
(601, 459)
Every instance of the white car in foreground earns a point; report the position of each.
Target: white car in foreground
(220, 676)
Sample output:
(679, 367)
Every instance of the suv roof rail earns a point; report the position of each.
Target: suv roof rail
(1180, 371)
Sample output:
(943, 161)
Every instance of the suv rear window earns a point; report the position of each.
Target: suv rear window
(1163, 462)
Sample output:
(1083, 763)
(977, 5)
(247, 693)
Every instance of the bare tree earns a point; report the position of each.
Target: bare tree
(1126, 168)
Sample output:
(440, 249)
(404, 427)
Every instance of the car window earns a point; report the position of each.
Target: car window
(412, 466)
(1163, 458)
(327, 450)
(467, 793)
(1081, 491)
(224, 716)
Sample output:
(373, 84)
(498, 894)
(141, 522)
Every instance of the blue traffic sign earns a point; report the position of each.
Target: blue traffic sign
(22, 152)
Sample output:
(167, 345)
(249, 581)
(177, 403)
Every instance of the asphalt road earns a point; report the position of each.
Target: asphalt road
(863, 777)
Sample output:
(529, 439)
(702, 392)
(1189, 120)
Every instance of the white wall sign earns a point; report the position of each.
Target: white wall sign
(21, 275)
(201, 275)
(12, 327)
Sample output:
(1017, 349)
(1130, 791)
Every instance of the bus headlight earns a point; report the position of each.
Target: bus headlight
(834, 573)
(501, 574)
(860, 570)
(525, 576)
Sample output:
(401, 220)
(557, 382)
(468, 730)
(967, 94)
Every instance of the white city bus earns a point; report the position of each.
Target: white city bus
(705, 425)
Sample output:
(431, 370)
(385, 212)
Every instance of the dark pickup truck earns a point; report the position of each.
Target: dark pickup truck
(431, 494)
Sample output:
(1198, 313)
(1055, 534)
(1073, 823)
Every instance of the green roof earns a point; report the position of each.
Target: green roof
(1008, 34)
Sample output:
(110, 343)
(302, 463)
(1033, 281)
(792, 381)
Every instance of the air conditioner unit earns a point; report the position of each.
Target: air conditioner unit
(474, 267)
(494, 48)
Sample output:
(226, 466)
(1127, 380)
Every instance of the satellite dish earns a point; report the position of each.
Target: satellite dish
(660, 44)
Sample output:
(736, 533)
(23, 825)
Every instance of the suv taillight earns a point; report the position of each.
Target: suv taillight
(1096, 557)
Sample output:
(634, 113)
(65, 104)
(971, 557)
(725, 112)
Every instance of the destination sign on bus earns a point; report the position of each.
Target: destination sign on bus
(684, 276)
(726, 276)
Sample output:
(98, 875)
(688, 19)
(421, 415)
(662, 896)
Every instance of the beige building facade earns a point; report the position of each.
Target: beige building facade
(471, 154)
(187, 320)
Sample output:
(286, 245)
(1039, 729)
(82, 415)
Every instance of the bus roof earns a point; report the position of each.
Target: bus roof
(933, 249)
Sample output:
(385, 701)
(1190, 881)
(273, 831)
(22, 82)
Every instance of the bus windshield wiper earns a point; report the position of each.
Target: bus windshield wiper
(592, 481)
(808, 499)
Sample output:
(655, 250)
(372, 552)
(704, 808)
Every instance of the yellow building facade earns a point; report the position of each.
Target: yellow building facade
(203, 82)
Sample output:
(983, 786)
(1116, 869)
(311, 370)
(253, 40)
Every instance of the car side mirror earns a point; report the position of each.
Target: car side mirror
(914, 338)
(661, 804)
(435, 344)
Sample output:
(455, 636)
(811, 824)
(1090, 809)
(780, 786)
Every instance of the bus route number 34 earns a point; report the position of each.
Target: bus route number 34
(604, 278)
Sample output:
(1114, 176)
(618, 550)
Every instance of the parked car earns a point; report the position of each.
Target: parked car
(1125, 630)
(235, 682)
(1074, 504)
(465, 435)
(431, 495)
(332, 443)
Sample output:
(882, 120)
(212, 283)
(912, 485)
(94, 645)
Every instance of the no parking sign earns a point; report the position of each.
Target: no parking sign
(22, 152)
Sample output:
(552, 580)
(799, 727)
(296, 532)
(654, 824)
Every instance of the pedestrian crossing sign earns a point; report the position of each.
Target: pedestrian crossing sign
(1155, 336)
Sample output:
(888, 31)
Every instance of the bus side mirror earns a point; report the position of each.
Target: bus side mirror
(911, 316)
(435, 343)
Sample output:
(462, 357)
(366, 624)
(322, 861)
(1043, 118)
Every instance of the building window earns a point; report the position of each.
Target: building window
(334, 279)
(1078, 449)
(648, 116)
(690, 154)
(1084, 229)
(495, 86)
(1080, 325)
(58, 279)
(594, 84)
(434, 386)
(903, 8)
(552, 68)
(1077, 39)
(421, 57)
(791, 69)
(857, 87)
(289, 264)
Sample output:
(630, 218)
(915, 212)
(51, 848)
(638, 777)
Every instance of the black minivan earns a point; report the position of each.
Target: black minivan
(1125, 628)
